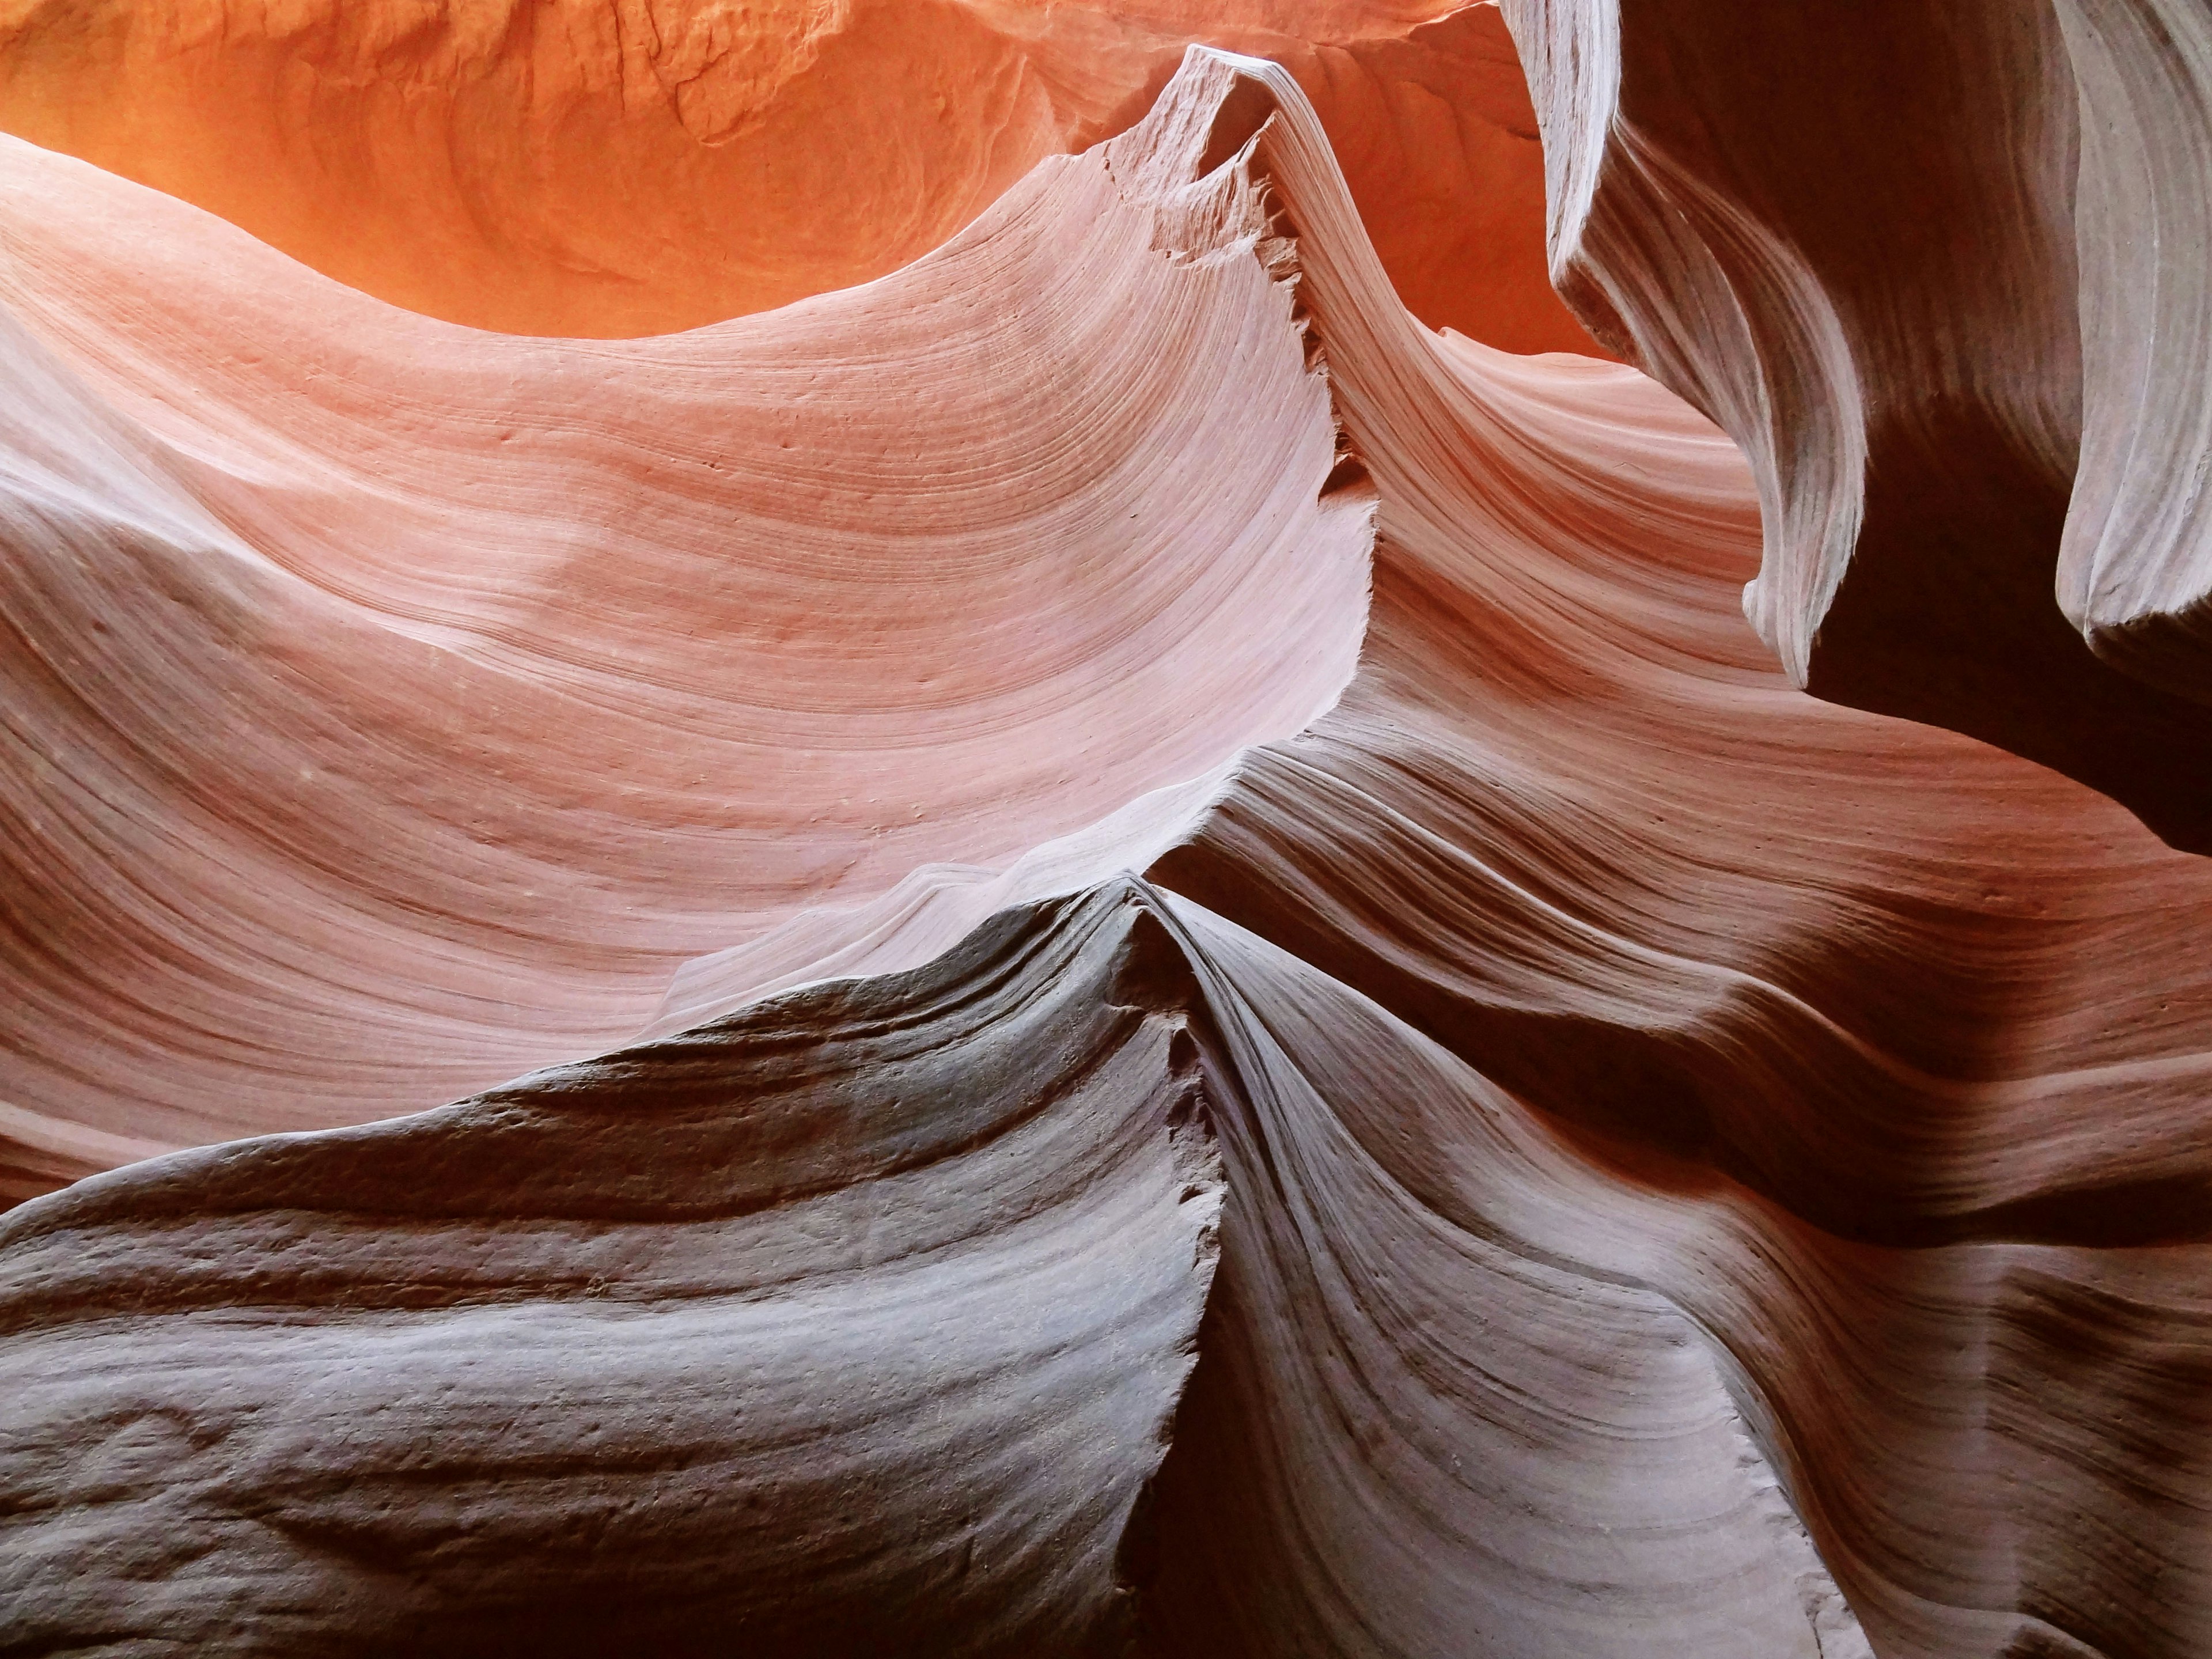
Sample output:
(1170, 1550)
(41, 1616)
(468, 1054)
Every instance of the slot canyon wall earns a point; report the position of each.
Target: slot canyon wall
(1274, 828)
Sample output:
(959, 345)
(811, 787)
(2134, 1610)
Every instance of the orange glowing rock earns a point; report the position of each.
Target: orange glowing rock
(579, 168)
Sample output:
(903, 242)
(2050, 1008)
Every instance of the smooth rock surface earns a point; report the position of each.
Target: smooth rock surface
(1939, 270)
(585, 168)
(406, 703)
(1486, 1121)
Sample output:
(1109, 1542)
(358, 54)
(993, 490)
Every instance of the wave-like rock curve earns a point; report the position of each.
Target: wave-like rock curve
(1939, 271)
(1547, 1141)
(413, 702)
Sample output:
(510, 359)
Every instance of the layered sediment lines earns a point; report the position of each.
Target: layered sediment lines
(396, 706)
(1543, 1140)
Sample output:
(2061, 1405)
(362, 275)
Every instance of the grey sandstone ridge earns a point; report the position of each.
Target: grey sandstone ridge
(857, 1322)
(853, 1323)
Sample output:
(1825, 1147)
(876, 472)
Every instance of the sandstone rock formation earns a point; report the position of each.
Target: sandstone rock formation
(584, 168)
(434, 695)
(1195, 989)
(1955, 389)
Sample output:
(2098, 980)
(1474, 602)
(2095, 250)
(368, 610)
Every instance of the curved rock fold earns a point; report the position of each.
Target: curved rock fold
(1209, 998)
(1936, 269)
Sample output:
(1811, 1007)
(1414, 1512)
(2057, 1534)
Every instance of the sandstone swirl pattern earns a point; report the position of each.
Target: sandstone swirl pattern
(1262, 1026)
(1940, 270)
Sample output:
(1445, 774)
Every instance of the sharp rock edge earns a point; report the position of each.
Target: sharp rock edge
(1644, 1162)
(400, 707)
(852, 1324)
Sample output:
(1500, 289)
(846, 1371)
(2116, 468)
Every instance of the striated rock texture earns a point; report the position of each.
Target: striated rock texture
(1196, 992)
(405, 703)
(1940, 269)
(596, 1362)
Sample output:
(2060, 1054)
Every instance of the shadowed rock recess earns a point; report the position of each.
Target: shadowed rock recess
(1192, 991)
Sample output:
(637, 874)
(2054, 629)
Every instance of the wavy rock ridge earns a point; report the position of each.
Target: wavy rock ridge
(546, 666)
(1543, 1140)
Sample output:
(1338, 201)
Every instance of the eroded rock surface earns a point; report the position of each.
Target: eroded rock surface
(403, 704)
(1939, 269)
(1405, 1091)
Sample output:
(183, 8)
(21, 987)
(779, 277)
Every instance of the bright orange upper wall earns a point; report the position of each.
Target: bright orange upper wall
(616, 168)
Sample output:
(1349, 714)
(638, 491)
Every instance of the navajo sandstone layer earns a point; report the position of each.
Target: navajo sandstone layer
(1137, 954)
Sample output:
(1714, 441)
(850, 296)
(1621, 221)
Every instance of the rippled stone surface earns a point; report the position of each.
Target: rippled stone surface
(1195, 990)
